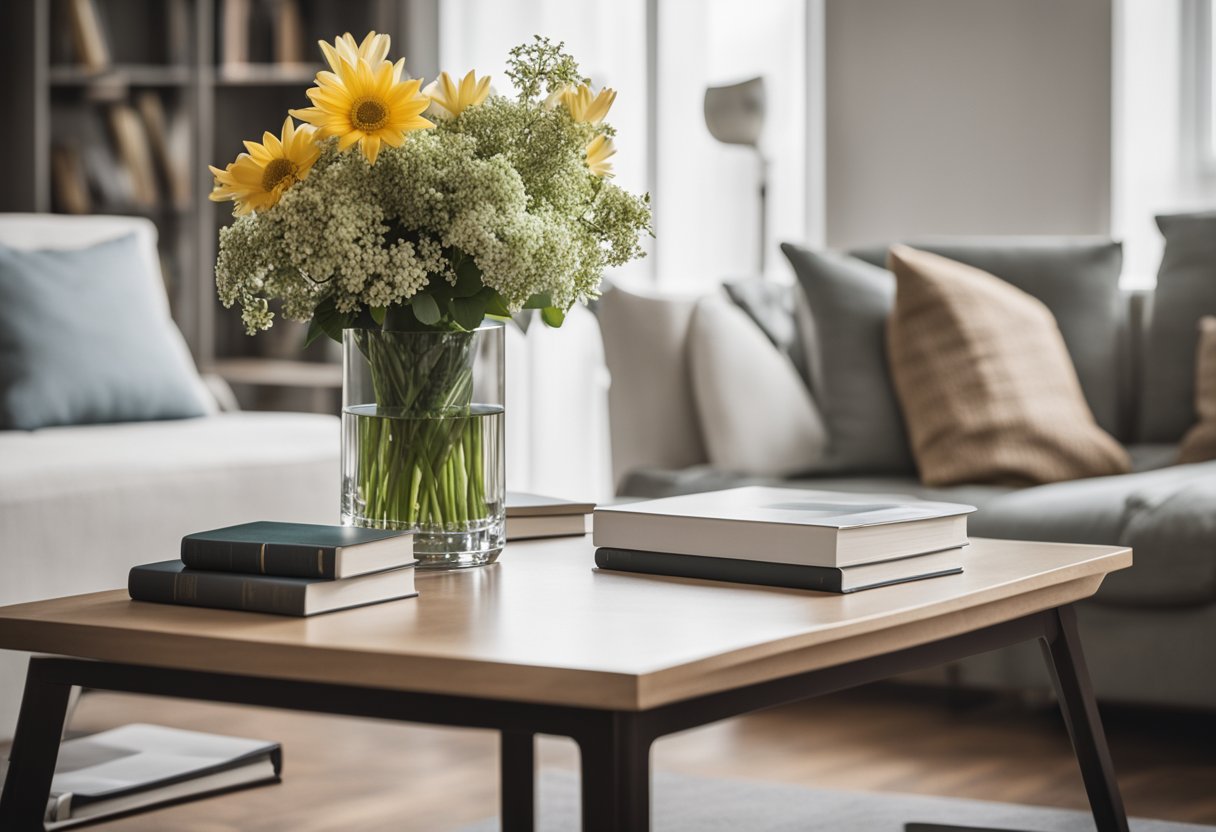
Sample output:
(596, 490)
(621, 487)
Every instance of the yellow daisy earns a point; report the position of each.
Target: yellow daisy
(451, 99)
(585, 107)
(599, 150)
(257, 179)
(365, 104)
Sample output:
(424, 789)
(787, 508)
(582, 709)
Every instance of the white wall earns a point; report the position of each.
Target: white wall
(966, 117)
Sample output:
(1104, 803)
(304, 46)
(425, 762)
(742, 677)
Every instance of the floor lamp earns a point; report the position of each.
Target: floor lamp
(734, 114)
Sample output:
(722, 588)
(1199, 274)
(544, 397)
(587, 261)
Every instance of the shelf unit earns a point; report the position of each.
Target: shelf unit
(172, 49)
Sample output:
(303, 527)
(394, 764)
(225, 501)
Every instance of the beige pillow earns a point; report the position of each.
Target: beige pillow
(757, 415)
(1199, 444)
(987, 388)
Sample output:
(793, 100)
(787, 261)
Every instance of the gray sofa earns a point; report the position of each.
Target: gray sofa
(1150, 632)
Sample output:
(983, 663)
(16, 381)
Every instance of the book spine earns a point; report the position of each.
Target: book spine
(216, 589)
(820, 578)
(282, 560)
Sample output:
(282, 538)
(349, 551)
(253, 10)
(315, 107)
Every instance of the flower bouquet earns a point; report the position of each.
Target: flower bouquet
(407, 223)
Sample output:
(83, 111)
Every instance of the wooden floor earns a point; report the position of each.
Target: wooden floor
(360, 774)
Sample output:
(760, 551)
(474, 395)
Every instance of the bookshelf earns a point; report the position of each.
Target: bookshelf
(121, 105)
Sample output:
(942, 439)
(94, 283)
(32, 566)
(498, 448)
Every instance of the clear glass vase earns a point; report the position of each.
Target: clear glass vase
(422, 440)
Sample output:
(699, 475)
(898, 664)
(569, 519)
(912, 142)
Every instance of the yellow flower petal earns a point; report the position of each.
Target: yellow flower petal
(256, 180)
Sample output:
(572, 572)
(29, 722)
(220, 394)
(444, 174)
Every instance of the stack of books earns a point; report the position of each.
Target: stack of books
(786, 537)
(282, 568)
(531, 516)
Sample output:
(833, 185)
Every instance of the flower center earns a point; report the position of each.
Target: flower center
(368, 115)
(276, 171)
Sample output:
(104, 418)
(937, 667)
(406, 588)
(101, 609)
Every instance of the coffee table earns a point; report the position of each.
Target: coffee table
(542, 643)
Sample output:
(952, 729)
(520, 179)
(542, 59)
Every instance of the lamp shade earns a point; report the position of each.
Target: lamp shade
(734, 114)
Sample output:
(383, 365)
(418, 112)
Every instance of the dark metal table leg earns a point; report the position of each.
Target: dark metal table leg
(517, 783)
(616, 775)
(44, 706)
(1071, 678)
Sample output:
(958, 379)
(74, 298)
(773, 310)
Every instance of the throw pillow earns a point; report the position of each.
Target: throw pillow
(1077, 278)
(1199, 444)
(651, 406)
(83, 341)
(773, 308)
(757, 416)
(849, 303)
(987, 387)
(1186, 291)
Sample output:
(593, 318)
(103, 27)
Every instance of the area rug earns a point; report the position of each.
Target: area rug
(684, 803)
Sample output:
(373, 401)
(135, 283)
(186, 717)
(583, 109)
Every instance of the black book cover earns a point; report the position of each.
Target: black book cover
(791, 576)
(170, 582)
(290, 550)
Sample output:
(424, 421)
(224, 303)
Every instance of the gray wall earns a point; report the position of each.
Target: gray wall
(967, 117)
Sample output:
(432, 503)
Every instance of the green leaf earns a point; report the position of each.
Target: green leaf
(468, 278)
(377, 313)
(495, 305)
(552, 316)
(326, 320)
(468, 312)
(539, 301)
(425, 309)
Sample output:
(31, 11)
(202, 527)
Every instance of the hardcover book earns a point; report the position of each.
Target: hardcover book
(784, 525)
(533, 516)
(171, 582)
(821, 578)
(297, 550)
(138, 766)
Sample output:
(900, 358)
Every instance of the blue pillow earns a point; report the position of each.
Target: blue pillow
(82, 341)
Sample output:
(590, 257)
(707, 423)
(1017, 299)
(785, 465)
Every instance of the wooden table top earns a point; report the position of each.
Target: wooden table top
(543, 625)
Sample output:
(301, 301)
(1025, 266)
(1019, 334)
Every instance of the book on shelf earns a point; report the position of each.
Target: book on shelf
(88, 37)
(234, 32)
(132, 149)
(70, 182)
(169, 142)
(297, 550)
(843, 579)
(784, 525)
(288, 32)
(170, 582)
(534, 516)
(138, 766)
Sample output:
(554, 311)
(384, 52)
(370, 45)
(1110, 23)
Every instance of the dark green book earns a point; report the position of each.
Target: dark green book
(297, 550)
(171, 582)
(794, 576)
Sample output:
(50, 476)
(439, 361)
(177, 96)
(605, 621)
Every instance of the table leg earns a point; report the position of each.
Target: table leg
(616, 775)
(1071, 678)
(44, 706)
(517, 783)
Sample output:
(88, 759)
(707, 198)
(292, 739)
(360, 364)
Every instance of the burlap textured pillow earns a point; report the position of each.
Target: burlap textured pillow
(987, 388)
(1199, 444)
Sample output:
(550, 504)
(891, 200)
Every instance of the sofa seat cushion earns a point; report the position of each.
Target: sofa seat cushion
(80, 505)
(1168, 516)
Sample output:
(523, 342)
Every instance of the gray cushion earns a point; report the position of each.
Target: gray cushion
(1186, 291)
(1078, 280)
(82, 341)
(850, 301)
(1168, 517)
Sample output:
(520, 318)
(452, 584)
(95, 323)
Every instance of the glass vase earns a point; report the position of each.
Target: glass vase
(422, 440)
